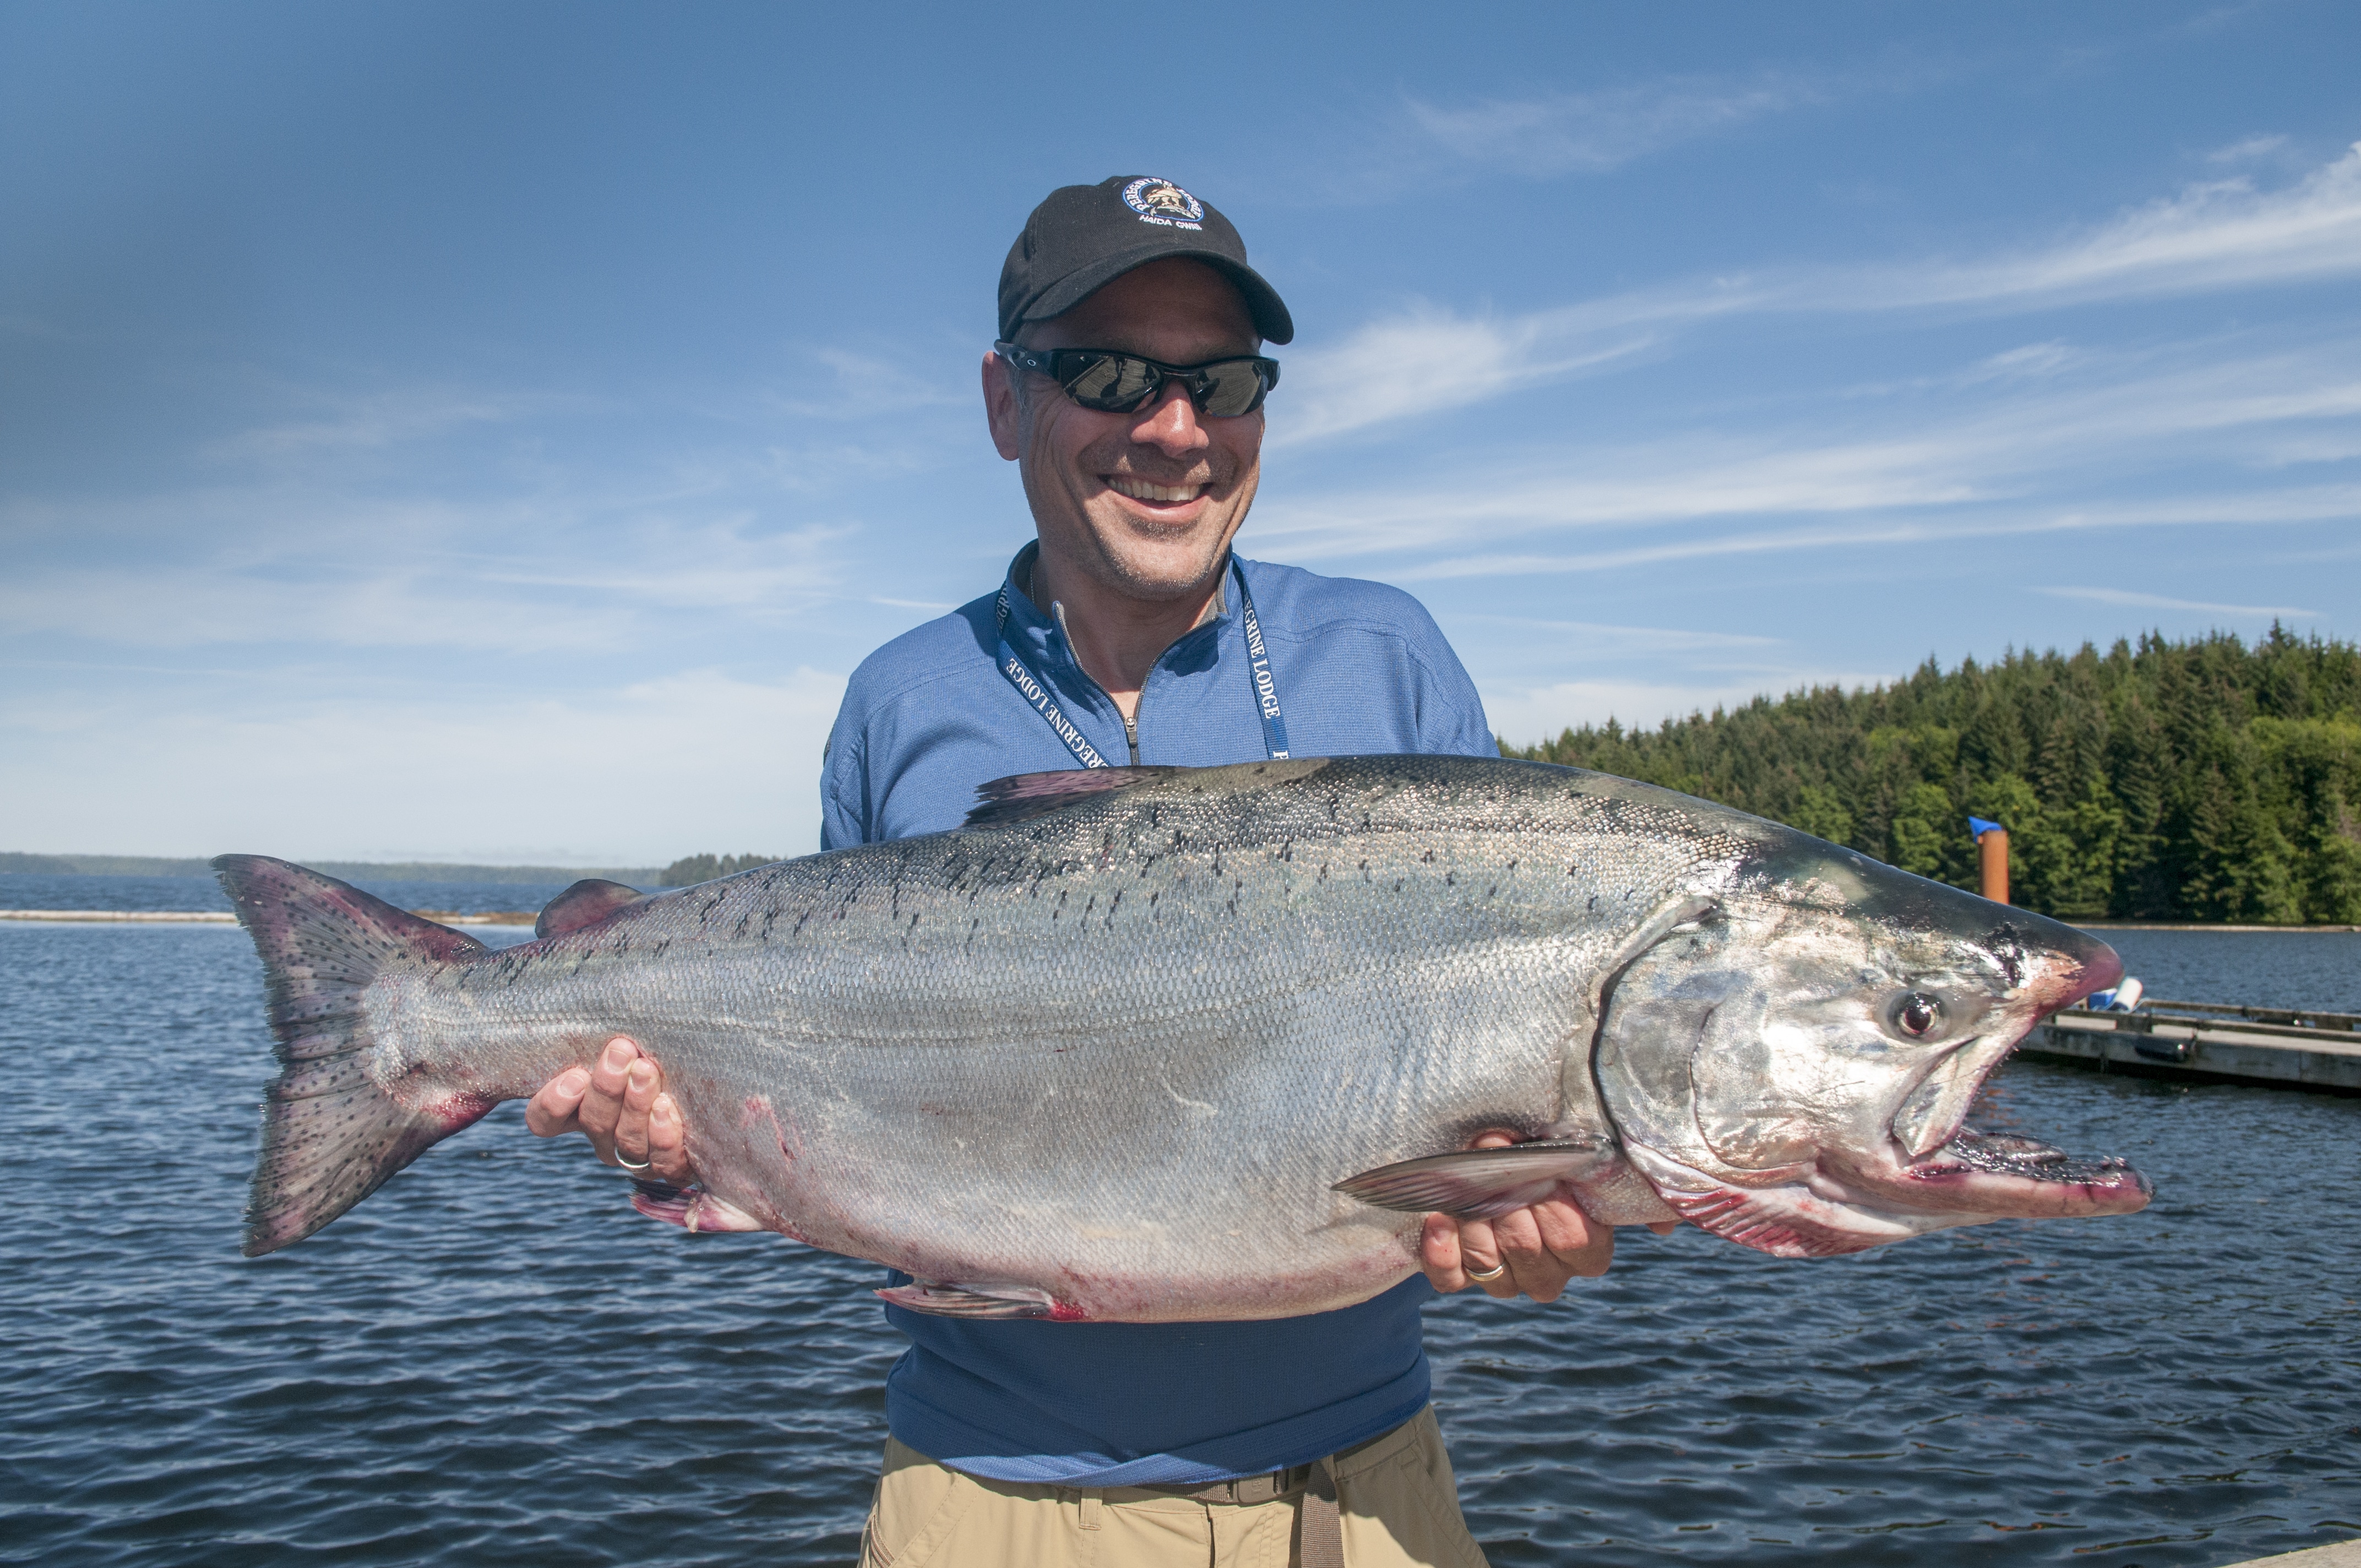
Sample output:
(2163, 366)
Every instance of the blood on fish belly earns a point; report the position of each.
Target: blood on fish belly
(1303, 989)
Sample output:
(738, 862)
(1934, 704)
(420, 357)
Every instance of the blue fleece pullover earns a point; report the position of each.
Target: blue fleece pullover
(1361, 669)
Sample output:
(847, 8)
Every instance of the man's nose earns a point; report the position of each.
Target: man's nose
(1169, 424)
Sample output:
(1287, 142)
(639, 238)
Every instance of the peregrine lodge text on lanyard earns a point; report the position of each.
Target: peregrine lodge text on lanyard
(1265, 689)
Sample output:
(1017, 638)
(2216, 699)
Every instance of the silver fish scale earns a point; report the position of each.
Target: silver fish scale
(1118, 1052)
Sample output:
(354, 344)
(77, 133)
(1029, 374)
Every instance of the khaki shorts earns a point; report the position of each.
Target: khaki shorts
(1394, 1494)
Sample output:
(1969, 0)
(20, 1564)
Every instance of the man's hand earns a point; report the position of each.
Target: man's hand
(1544, 1246)
(618, 1103)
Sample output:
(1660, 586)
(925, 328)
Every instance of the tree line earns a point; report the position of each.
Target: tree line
(2181, 780)
(690, 870)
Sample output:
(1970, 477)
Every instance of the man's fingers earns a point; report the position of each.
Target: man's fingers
(550, 1112)
(1581, 1246)
(602, 1105)
(1664, 1227)
(667, 1142)
(1533, 1269)
(1480, 1252)
(1538, 1249)
(632, 1123)
(618, 1103)
(1438, 1250)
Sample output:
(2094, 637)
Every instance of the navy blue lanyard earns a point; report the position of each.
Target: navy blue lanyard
(1266, 689)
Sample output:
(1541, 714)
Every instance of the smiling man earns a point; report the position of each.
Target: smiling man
(1127, 385)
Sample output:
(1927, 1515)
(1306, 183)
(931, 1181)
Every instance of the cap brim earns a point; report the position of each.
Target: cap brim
(1270, 318)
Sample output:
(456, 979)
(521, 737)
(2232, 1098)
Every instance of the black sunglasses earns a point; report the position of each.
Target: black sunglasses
(1118, 383)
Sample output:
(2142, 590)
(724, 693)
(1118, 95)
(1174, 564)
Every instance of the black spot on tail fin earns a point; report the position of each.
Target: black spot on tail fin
(331, 1136)
(1022, 797)
(586, 902)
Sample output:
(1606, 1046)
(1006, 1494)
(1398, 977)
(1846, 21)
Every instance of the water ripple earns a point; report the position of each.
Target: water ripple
(494, 1358)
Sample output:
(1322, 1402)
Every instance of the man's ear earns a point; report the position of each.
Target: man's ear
(1002, 407)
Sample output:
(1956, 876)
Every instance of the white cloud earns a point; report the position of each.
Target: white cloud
(1979, 468)
(697, 759)
(868, 385)
(382, 419)
(334, 569)
(1592, 132)
(2159, 602)
(2032, 362)
(2245, 147)
(1579, 635)
(1426, 360)
(2276, 508)
(1526, 716)
(2223, 235)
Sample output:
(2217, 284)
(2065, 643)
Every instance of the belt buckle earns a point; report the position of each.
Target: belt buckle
(1270, 1485)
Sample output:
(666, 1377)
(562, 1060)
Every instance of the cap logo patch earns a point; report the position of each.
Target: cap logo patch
(1163, 203)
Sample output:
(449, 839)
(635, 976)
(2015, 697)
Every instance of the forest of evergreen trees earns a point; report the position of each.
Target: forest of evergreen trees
(2199, 780)
(690, 870)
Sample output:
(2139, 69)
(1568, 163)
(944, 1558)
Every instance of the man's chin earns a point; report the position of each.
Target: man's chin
(1156, 570)
(1168, 588)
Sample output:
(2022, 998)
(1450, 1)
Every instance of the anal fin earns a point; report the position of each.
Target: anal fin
(1479, 1184)
(991, 1301)
(693, 1209)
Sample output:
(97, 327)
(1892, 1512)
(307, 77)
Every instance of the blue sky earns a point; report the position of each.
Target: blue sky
(495, 432)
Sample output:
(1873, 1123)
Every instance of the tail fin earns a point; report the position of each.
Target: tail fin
(330, 1135)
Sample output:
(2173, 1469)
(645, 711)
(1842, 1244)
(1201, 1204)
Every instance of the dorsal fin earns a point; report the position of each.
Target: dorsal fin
(1022, 797)
(586, 902)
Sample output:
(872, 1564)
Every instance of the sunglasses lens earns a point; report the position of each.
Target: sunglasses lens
(1233, 388)
(1115, 383)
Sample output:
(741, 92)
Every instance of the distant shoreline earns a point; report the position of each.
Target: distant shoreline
(223, 917)
(2194, 925)
(13, 862)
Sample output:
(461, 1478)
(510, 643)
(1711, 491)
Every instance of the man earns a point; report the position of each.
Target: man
(1127, 386)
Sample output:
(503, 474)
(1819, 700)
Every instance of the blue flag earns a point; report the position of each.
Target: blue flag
(1979, 826)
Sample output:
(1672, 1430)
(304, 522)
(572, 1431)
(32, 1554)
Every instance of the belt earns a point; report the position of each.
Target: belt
(1247, 1489)
(1320, 1529)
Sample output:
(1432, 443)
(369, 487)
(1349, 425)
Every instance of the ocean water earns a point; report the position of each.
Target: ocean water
(2250, 969)
(495, 1359)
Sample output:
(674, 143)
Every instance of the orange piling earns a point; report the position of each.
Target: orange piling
(1992, 858)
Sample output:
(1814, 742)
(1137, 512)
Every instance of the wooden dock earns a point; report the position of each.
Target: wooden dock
(2277, 1046)
(2336, 1554)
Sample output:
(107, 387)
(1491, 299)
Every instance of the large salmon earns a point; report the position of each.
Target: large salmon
(1155, 1044)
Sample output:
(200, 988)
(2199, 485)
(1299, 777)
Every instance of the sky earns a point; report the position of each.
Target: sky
(494, 432)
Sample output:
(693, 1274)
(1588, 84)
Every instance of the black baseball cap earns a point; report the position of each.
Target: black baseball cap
(1082, 235)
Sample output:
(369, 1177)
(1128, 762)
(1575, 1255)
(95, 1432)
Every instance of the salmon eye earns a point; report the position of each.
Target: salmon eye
(1917, 1015)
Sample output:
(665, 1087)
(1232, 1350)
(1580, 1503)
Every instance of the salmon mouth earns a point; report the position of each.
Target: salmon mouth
(2007, 1173)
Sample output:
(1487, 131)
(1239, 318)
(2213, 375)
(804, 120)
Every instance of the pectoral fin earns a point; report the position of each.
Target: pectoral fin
(1480, 1184)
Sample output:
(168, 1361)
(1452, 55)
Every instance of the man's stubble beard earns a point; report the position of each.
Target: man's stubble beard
(1098, 551)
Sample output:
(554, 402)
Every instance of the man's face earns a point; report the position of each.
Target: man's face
(1143, 504)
